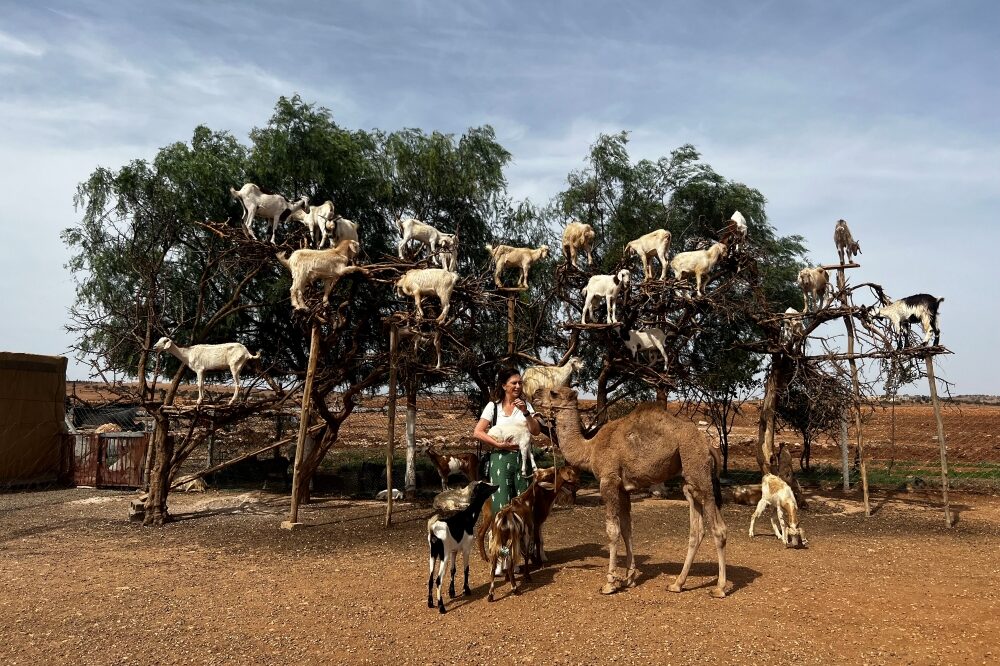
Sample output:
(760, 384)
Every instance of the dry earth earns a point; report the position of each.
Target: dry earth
(224, 585)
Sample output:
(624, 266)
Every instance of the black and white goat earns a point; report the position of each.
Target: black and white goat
(447, 536)
(909, 310)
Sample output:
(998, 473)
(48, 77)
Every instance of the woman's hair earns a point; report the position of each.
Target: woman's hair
(506, 372)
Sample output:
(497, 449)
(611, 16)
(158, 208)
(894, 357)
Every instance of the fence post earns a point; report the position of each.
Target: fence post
(940, 431)
(845, 456)
(393, 344)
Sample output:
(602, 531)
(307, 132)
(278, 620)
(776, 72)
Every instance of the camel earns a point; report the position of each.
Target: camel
(643, 448)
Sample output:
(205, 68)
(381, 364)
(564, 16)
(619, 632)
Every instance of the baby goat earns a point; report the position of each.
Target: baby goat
(607, 286)
(518, 435)
(447, 536)
(459, 463)
(909, 310)
(777, 493)
(846, 245)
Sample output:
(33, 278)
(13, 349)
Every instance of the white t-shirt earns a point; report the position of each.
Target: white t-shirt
(517, 418)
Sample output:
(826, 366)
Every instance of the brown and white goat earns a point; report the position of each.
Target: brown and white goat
(517, 528)
(815, 286)
(785, 522)
(458, 463)
(846, 245)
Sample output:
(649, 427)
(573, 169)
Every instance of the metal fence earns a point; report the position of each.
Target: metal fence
(110, 460)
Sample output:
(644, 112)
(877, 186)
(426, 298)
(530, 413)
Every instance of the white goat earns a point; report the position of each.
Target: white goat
(327, 265)
(777, 493)
(909, 310)
(814, 283)
(447, 256)
(519, 435)
(792, 328)
(339, 228)
(735, 232)
(654, 244)
(648, 339)
(607, 286)
(420, 282)
(548, 376)
(515, 257)
(200, 358)
(846, 245)
(698, 263)
(316, 218)
(413, 229)
(270, 206)
(578, 237)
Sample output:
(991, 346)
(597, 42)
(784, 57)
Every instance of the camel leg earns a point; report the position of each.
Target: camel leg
(611, 494)
(694, 539)
(625, 517)
(718, 527)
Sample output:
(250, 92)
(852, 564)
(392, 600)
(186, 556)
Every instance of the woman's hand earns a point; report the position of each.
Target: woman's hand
(508, 445)
(522, 405)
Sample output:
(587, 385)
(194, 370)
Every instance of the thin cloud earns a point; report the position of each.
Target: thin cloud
(19, 47)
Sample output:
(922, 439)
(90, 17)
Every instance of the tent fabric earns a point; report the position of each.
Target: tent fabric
(32, 413)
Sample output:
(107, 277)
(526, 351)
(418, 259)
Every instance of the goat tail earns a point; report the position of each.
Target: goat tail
(716, 470)
(282, 259)
(257, 355)
(484, 526)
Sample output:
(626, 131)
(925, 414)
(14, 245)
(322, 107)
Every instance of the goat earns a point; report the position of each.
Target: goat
(792, 328)
(607, 286)
(517, 528)
(447, 536)
(846, 245)
(412, 229)
(909, 310)
(200, 358)
(454, 500)
(272, 206)
(519, 435)
(316, 218)
(777, 493)
(326, 265)
(447, 256)
(520, 257)
(735, 231)
(814, 282)
(419, 336)
(549, 376)
(648, 339)
(420, 282)
(339, 228)
(578, 237)
(698, 263)
(654, 244)
(458, 463)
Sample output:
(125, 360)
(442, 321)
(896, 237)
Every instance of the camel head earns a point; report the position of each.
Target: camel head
(551, 401)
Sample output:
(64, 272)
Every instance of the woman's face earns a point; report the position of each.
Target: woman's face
(512, 387)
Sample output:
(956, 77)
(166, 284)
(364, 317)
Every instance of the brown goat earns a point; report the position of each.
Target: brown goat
(458, 463)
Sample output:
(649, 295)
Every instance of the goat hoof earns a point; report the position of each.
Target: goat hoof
(430, 603)
(441, 610)
(467, 592)
(674, 587)
(489, 597)
(717, 593)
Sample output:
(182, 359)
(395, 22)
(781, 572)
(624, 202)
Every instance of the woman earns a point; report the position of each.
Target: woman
(505, 460)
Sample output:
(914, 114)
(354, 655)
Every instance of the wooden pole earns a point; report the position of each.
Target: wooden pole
(845, 456)
(849, 323)
(300, 444)
(393, 370)
(510, 323)
(940, 431)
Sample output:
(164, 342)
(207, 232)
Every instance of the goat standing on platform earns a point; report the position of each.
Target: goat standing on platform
(847, 247)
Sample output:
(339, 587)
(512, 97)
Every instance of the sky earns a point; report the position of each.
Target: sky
(883, 114)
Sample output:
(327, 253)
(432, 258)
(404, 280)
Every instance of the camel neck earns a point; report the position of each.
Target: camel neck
(575, 448)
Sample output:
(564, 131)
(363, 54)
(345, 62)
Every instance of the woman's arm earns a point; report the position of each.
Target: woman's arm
(529, 417)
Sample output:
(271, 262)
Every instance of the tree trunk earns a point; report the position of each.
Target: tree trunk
(777, 381)
(159, 478)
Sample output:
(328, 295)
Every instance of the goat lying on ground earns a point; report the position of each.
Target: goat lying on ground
(517, 528)
(327, 265)
(271, 206)
(648, 339)
(411, 229)
(578, 237)
(518, 435)
(201, 358)
(420, 282)
(909, 310)
(777, 493)
(654, 244)
(735, 231)
(506, 256)
(815, 284)
(607, 286)
(447, 536)
(698, 263)
(458, 463)
(540, 377)
(846, 245)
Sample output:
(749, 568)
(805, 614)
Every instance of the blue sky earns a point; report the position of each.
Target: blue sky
(884, 114)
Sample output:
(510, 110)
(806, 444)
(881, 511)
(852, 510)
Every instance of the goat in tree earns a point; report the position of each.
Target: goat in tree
(200, 358)
(643, 448)
(274, 207)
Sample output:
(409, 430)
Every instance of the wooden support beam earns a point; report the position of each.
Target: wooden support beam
(391, 438)
(300, 444)
(944, 450)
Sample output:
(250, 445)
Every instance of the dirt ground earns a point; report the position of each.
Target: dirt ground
(225, 585)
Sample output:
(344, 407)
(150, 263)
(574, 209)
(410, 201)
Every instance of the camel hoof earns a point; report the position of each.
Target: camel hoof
(717, 593)
(674, 587)
(609, 588)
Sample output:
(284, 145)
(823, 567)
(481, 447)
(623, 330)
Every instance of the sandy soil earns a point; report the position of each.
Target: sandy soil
(224, 585)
